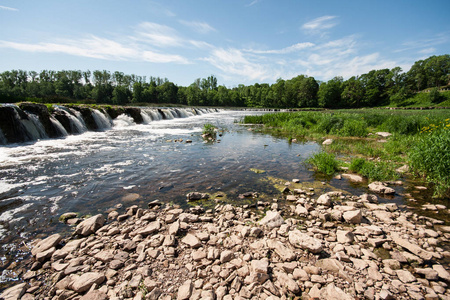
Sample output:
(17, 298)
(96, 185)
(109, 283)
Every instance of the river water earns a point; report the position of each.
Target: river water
(135, 164)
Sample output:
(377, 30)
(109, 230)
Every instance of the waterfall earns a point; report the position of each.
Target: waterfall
(147, 119)
(78, 115)
(101, 120)
(167, 114)
(62, 131)
(38, 127)
(123, 120)
(75, 124)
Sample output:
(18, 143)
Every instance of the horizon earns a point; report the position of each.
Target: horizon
(239, 42)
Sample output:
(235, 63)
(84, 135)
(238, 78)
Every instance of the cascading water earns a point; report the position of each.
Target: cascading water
(62, 131)
(123, 120)
(75, 124)
(3, 140)
(78, 115)
(147, 119)
(38, 125)
(101, 120)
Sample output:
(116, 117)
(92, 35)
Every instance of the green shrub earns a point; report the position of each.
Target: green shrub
(324, 163)
(354, 128)
(374, 171)
(430, 157)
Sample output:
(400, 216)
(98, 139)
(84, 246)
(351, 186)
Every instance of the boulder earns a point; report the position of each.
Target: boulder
(272, 219)
(324, 200)
(90, 225)
(304, 241)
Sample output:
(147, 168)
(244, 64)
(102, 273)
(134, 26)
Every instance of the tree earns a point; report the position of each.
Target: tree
(329, 94)
(121, 95)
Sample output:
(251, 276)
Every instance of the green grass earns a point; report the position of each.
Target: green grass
(209, 130)
(419, 138)
(324, 162)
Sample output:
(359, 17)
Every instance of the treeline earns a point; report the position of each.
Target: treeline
(376, 88)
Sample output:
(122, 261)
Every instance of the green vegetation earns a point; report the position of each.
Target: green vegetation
(420, 86)
(209, 131)
(420, 138)
(324, 162)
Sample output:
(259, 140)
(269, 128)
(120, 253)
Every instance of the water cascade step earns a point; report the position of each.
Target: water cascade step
(28, 122)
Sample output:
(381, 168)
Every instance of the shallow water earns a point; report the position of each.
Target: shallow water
(135, 164)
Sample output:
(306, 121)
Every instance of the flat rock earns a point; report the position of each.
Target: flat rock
(332, 292)
(46, 244)
(272, 219)
(411, 247)
(327, 142)
(191, 240)
(405, 276)
(150, 228)
(185, 291)
(383, 134)
(281, 250)
(344, 236)
(304, 241)
(442, 272)
(85, 281)
(15, 292)
(95, 295)
(226, 256)
(90, 225)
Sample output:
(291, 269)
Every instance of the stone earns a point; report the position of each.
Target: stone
(85, 281)
(260, 266)
(429, 273)
(411, 247)
(381, 188)
(174, 228)
(90, 225)
(383, 134)
(403, 169)
(15, 292)
(191, 240)
(281, 250)
(353, 216)
(44, 255)
(300, 210)
(442, 272)
(105, 256)
(95, 295)
(353, 177)
(332, 292)
(150, 228)
(226, 256)
(285, 281)
(185, 291)
(324, 200)
(272, 219)
(344, 236)
(405, 276)
(327, 142)
(46, 244)
(196, 196)
(369, 198)
(304, 241)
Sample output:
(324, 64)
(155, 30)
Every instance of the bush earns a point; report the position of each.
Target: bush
(374, 171)
(354, 128)
(324, 163)
(430, 157)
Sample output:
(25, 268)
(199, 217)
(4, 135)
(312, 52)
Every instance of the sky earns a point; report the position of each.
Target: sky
(237, 41)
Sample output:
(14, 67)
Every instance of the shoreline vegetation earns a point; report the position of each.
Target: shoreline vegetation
(379, 145)
(426, 84)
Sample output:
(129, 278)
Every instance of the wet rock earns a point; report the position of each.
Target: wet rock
(90, 226)
(196, 196)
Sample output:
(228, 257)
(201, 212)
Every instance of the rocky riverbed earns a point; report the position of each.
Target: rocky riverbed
(328, 246)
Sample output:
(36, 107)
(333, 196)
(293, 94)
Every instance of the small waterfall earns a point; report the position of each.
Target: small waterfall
(79, 116)
(101, 120)
(123, 120)
(147, 119)
(38, 126)
(59, 127)
(167, 114)
(75, 124)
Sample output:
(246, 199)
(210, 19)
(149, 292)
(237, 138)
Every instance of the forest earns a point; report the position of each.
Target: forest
(375, 88)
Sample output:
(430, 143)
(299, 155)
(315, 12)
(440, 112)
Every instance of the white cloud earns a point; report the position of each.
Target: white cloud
(158, 35)
(200, 27)
(318, 25)
(8, 8)
(428, 50)
(233, 62)
(252, 3)
(290, 49)
(99, 48)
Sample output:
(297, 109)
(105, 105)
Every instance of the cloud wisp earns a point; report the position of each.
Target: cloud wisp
(320, 25)
(8, 8)
(200, 27)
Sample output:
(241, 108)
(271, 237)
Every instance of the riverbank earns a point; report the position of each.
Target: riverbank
(314, 246)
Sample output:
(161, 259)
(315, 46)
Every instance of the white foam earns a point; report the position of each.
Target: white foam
(7, 189)
(123, 120)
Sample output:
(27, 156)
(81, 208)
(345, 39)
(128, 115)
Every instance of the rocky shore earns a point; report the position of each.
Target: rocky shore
(329, 246)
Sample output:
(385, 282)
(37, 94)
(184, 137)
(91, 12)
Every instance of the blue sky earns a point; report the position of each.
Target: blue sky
(238, 41)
